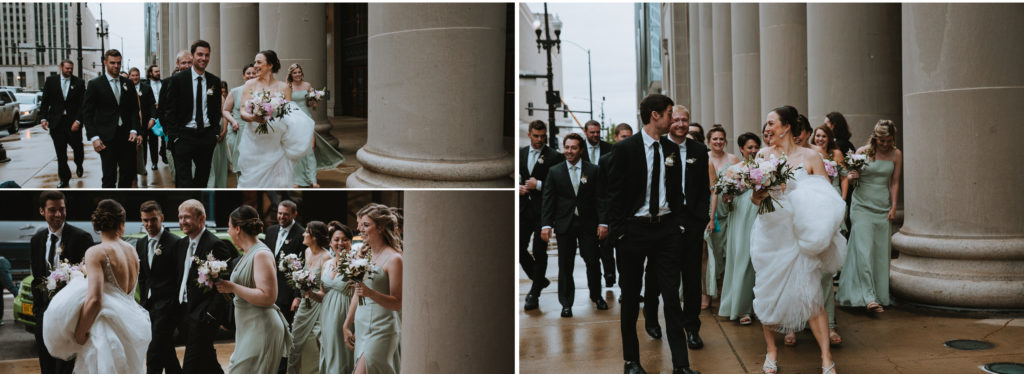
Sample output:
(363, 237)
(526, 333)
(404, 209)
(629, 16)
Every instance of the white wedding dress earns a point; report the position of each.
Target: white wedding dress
(792, 247)
(268, 160)
(117, 340)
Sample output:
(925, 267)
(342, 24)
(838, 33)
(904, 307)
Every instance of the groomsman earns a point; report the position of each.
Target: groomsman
(206, 310)
(110, 113)
(285, 238)
(696, 210)
(621, 132)
(152, 87)
(147, 104)
(571, 205)
(595, 146)
(158, 286)
(191, 118)
(62, 98)
(646, 217)
(534, 162)
(54, 244)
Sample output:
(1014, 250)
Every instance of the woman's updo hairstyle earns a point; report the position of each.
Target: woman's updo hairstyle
(108, 216)
(246, 218)
(272, 60)
(718, 128)
(788, 115)
(335, 226)
(318, 230)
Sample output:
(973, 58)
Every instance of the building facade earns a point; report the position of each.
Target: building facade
(25, 27)
(532, 91)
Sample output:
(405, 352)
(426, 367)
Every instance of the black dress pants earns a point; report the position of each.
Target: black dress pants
(535, 264)
(586, 237)
(160, 355)
(62, 137)
(188, 151)
(200, 356)
(118, 160)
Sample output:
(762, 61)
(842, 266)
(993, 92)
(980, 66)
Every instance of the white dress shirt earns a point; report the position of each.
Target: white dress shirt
(282, 234)
(193, 243)
(663, 208)
(192, 109)
(594, 150)
(60, 239)
(115, 86)
(155, 85)
(532, 158)
(152, 244)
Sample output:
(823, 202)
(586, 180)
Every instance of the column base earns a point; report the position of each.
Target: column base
(388, 171)
(324, 129)
(972, 273)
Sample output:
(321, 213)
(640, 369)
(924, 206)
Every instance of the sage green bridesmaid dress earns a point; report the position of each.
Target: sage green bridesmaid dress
(738, 281)
(305, 330)
(865, 275)
(377, 329)
(234, 136)
(335, 357)
(261, 332)
(717, 241)
(305, 167)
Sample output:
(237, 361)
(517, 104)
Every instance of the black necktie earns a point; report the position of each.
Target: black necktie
(53, 248)
(655, 182)
(199, 103)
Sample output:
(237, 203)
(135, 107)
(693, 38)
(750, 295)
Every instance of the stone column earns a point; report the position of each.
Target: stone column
(962, 241)
(192, 30)
(783, 56)
(707, 71)
(434, 115)
(446, 249)
(172, 39)
(678, 56)
(165, 41)
(722, 49)
(240, 39)
(850, 71)
(746, 71)
(695, 95)
(297, 32)
(209, 30)
(182, 26)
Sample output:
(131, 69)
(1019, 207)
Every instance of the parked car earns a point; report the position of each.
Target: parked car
(29, 107)
(9, 114)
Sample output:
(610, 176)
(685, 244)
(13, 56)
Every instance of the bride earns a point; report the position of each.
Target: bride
(268, 160)
(96, 318)
(792, 247)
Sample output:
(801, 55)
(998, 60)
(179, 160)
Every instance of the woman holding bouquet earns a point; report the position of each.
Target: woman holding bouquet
(322, 155)
(221, 153)
(96, 318)
(261, 332)
(278, 133)
(738, 279)
(335, 358)
(715, 234)
(865, 278)
(306, 325)
(792, 246)
(377, 325)
(233, 115)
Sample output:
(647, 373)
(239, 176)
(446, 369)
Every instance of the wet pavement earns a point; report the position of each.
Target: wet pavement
(903, 339)
(34, 164)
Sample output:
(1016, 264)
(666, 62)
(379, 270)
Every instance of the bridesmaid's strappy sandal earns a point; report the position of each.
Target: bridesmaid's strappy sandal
(789, 340)
(770, 367)
(874, 307)
(834, 338)
(830, 369)
(745, 320)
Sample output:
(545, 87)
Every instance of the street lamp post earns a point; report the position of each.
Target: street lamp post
(102, 30)
(78, 22)
(590, 81)
(553, 98)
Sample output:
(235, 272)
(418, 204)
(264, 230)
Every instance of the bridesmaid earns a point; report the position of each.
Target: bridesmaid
(738, 283)
(837, 123)
(826, 146)
(865, 277)
(232, 114)
(305, 168)
(335, 358)
(715, 234)
(261, 333)
(306, 323)
(221, 153)
(377, 326)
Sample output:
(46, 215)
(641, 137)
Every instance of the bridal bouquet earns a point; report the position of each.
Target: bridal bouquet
(210, 271)
(771, 174)
(268, 105)
(316, 95)
(733, 182)
(290, 263)
(831, 168)
(855, 162)
(61, 275)
(355, 269)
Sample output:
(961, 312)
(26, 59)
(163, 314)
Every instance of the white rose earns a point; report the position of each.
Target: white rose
(51, 284)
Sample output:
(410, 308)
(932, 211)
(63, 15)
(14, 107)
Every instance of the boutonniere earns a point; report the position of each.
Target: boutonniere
(209, 92)
(691, 160)
(540, 160)
(670, 160)
(583, 179)
(71, 88)
(60, 248)
(124, 87)
(159, 250)
(287, 240)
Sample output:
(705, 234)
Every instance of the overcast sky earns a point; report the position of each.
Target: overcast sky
(607, 30)
(127, 21)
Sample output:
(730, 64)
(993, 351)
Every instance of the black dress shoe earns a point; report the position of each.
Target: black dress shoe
(79, 171)
(154, 167)
(62, 185)
(654, 331)
(601, 304)
(531, 302)
(693, 340)
(633, 368)
(566, 312)
(685, 371)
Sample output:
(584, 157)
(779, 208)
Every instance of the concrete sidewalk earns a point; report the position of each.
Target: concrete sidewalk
(901, 340)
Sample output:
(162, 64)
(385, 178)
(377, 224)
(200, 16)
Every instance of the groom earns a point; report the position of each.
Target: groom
(646, 217)
(110, 114)
(158, 286)
(204, 309)
(192, 121)
(54, 244)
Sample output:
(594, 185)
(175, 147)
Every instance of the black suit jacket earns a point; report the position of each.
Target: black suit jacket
(293, 245)
(530, 204)
(203, 303)
(147, 101)
(603, 146)
(698, 188)
(628, 181)
(101, 110)
(162, 277)
(54, 105)
(178, 107)
(560, 202)
(74, 241)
